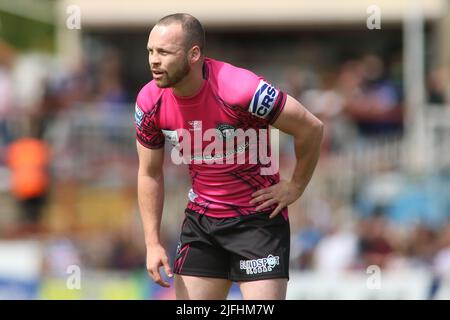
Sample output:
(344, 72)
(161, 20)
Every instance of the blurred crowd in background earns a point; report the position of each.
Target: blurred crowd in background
(68, 163)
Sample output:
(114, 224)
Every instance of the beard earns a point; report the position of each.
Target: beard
(168, 81)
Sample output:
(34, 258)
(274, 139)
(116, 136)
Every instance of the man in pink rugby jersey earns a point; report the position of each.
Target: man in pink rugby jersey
(216, 116)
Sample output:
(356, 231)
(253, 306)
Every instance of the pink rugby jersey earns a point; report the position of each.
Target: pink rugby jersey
(230, 99)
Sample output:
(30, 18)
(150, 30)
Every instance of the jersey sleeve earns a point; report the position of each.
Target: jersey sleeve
(252, 93)
(148, 132)
(266, 102)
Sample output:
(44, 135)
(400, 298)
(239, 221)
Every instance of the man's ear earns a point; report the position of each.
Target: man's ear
(195, 54)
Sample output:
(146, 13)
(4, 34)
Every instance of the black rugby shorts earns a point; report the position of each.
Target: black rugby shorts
(243, 248)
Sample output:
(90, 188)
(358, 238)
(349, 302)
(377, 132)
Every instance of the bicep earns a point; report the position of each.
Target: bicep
(295, 119)
(150, 160)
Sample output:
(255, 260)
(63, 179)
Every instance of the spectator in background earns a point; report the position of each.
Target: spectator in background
(436, 86)
(126, 254)
(441, 262)
(305, 242)
(336, 251)
(110, 91)
(6, 96)
(294, 81)
(373, 102)
(422, 244)
(31, 73)
(374, 243)
(28, 159)
(78, 85)
(326, 103)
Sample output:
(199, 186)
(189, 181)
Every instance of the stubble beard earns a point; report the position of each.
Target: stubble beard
(170, 81)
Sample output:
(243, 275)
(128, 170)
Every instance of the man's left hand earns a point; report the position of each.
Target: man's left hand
(283, 193)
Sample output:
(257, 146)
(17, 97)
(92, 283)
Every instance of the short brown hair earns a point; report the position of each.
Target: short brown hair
(193, 29)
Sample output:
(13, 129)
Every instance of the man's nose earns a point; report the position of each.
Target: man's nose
(154, 59)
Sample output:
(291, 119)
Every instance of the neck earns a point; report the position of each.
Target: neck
(190, 84)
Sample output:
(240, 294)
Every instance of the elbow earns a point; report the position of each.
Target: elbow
(313, 133)
(318, 129)
(152, 173)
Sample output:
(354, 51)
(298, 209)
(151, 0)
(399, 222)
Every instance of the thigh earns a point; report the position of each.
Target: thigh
(268, 289)
(201, 288)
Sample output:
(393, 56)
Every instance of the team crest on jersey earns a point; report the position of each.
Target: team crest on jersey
(263, 100)
(171, 136)
(225, 131)
(138, 115)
